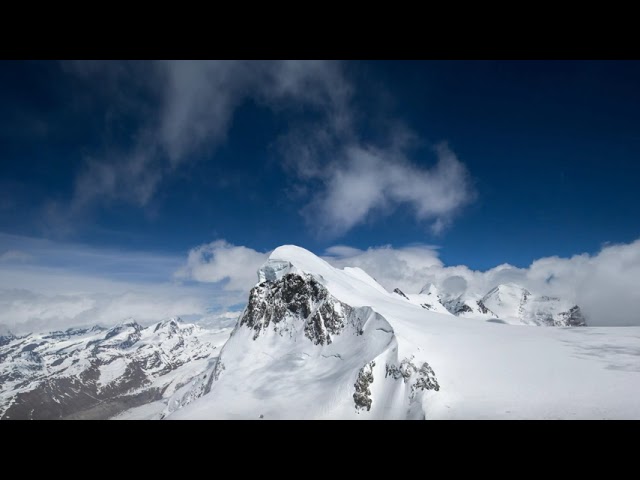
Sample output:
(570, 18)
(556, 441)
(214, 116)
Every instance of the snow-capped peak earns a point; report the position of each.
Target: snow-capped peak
(506, 292)
(507, 301)
(319, 342)
(283, 259)
(429, 289)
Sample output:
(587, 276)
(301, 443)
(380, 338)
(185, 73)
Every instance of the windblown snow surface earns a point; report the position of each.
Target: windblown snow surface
(318, 342)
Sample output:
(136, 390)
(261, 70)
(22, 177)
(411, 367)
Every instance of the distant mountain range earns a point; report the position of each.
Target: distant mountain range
(509, 303)
(99, 372)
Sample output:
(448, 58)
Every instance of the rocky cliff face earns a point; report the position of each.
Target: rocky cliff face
(292, 300)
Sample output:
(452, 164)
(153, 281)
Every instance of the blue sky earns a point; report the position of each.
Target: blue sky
(490, 161)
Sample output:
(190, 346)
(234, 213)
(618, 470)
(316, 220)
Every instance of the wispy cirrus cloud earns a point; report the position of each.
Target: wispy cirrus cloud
(182, 111)
(194, 104)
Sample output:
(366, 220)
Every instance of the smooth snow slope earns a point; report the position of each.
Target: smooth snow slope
(484, 369)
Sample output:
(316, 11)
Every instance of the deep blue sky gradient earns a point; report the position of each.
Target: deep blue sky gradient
(553, 148)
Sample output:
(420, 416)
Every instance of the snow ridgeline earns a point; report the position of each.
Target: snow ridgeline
(318, 342)
(300, 352)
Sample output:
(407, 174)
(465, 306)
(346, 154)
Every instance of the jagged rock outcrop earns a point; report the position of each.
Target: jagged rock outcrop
(362, 395)
(295, 297)
(400, 292)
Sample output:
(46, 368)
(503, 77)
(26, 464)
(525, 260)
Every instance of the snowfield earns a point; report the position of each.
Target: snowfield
(318, 342)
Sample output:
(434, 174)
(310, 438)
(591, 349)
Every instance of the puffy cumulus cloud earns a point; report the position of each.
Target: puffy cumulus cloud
(370, 181)
(405, 268)
(603, 284)
(221, 261)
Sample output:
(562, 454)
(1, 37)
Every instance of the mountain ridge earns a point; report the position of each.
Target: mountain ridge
(508, 302)
(320, 342)
(98, 372)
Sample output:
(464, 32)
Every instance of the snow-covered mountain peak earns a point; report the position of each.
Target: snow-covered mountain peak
(309, 326)
(430, 289)
(292, 259)
(130, 322)
(507, 291)
(346, 284)
(515, 304)
(173, 324)
(507, 300)
(319, 342)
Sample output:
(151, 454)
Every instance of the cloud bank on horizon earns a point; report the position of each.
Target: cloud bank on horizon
(49, 285)
(604, 284)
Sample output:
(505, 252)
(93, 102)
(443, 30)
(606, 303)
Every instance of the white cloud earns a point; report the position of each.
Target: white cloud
(66, 285)
(221, 261)
(371, 181)
(404, 268)
(196, 102)
(604, 284)
(23, 310)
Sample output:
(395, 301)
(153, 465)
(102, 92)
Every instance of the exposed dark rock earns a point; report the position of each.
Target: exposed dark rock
(57, 362)
(455, 306)
(295, 297)
(30, 347)
(426, 379)
(6, 339)
(362, 395)
(421, 378)
(463, 308)
(572, 318)
(401, 293)
(483, 308)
